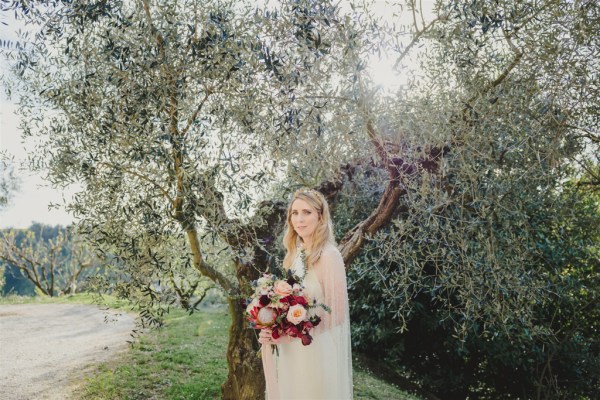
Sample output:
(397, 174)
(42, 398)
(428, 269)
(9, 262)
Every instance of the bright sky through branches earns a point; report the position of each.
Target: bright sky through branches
(31, 202)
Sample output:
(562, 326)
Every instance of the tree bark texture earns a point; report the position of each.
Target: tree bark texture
(245, 379)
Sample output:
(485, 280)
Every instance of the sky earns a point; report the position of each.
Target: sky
(31, 201)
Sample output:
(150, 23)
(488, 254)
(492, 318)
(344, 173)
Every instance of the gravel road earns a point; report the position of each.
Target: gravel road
(45, 349)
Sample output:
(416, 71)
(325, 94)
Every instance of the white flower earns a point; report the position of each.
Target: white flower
(264, 281)
(296, 314)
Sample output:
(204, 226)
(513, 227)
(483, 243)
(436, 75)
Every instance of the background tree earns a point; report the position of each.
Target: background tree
(55, 263)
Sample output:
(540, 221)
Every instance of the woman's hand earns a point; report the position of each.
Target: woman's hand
(266, 337)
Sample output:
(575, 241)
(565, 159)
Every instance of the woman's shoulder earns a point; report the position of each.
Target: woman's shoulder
(331, 254)
(331, 249)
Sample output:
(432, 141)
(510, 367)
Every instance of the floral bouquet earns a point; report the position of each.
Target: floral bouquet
(280, 305)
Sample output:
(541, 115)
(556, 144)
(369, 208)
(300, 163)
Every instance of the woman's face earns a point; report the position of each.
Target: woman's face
(305, 219)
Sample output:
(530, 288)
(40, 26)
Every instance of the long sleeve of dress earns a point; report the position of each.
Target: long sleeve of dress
(335, 326)
(332, 276)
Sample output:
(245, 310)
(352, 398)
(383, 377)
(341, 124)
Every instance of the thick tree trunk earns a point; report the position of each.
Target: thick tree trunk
(245, 380)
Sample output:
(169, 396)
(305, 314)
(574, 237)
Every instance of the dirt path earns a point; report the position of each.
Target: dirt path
(45, 348)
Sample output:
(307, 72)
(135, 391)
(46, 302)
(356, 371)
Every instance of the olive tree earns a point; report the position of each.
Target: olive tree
(483, 244)
(154, 273)
(179, 119)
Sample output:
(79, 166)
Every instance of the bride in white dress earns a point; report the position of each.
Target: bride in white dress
(321, 370)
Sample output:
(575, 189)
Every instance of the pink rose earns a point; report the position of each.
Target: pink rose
(266, 316)
(282, 288)
(296, 314)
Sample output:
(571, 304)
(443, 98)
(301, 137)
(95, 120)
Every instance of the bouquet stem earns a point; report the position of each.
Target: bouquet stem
(274, 350)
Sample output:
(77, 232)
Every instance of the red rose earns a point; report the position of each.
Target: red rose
(306, 339)
(300, 300)
(293, 331)
(264, 300)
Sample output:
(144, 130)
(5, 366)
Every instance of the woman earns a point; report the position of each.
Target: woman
(323, 369)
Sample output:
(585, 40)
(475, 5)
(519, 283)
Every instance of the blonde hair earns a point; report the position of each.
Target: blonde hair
(322, 236)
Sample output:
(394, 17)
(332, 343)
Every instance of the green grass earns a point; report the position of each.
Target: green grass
(184, 360)
(368, 386)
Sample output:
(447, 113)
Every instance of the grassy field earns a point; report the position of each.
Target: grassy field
(184, 360)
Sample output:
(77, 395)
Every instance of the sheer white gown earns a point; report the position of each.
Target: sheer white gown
(323, 369)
